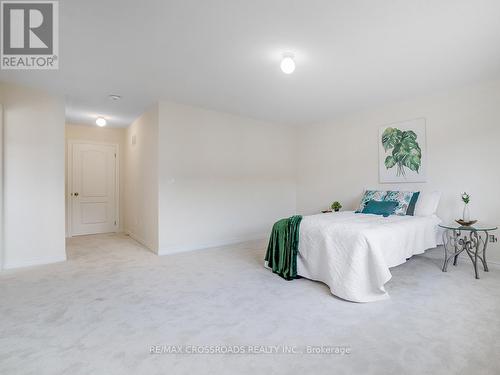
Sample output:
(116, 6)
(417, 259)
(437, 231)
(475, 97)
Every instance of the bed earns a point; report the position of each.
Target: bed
(353, 252)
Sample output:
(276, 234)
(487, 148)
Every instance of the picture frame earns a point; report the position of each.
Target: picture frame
(403, 151)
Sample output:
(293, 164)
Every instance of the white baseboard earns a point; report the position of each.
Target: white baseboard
(465, 257)
(33, 262)
(141, 241)
(204, 246)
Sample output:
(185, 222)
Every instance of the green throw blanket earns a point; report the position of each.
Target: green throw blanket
(283, 247)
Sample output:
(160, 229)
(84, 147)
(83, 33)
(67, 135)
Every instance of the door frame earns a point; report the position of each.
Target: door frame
(69, 174)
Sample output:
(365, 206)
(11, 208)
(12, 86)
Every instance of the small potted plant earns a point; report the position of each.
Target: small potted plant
(336, 206)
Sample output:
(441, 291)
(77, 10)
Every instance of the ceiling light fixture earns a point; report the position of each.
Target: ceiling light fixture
(115, 97)
(101, 121)
(287, 64)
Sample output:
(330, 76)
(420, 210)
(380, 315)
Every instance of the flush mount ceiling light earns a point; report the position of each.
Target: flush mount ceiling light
(101, 121)
(115, 97)
(287, 64)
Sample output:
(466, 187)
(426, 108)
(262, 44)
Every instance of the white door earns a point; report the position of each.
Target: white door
(93, 188)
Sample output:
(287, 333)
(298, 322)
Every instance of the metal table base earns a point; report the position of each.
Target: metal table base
(473, 244)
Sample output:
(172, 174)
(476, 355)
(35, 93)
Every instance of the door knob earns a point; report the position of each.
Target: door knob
(76, 194)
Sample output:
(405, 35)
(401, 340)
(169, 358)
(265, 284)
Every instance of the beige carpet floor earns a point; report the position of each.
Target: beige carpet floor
(102, 311)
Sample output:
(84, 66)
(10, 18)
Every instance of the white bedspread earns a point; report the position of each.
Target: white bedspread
(352, 253)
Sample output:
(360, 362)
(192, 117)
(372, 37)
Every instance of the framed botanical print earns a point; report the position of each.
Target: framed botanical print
(403, 152)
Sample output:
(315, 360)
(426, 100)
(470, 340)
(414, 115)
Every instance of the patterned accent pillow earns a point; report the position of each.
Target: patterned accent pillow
(403, 198)
(371, 195)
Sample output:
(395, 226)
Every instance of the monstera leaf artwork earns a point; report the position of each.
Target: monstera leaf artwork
(403, 152)
(406, 152)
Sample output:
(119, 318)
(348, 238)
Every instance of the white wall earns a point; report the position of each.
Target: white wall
(141, 179)
(33, 177)
(337, 160)
(101, 135)
(1, 188)
(222, 178)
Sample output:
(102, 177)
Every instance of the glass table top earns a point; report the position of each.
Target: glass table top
(476, 226)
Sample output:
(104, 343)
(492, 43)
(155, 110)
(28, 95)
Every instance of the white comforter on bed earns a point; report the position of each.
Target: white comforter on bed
(352, 253)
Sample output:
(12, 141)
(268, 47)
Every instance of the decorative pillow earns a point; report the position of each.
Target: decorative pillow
(384, 208)
(371, 195)
(427, 203)
(413, 203)
(403, 198)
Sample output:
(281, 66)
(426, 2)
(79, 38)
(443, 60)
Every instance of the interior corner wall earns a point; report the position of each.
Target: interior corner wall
(337, 160)
(33, 171)
(141, 179)
(222, 178)
(101, 135)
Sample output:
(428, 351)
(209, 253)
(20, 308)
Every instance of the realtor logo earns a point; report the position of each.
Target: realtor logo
(29, 37)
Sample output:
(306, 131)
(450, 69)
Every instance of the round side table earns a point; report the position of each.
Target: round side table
(458, 238)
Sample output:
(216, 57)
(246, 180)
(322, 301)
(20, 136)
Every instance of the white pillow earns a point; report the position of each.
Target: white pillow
(427, 203)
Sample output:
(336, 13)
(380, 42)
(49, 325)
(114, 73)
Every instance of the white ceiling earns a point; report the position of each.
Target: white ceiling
(225, 54)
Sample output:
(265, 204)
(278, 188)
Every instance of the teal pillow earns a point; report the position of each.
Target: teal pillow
(384, 208)
(413, 203)
(402, 198)
(369, 195)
